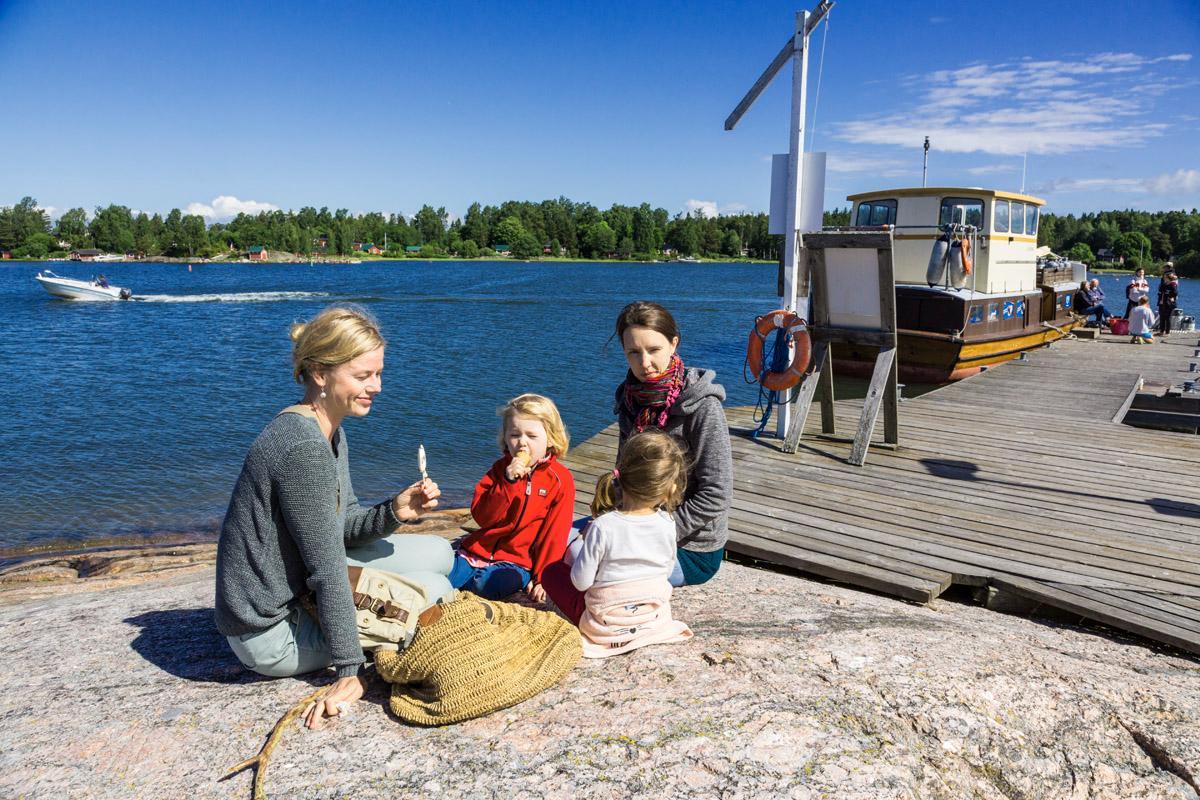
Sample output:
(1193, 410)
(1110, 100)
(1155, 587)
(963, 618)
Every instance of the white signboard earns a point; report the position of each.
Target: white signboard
(812, 196)
(853, 287)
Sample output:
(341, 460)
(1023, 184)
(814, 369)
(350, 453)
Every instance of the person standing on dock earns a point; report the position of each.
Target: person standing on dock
(1168, 299)
(685, 402)
(1137, 288)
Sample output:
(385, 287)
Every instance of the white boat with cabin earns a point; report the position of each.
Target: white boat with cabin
(956, 315)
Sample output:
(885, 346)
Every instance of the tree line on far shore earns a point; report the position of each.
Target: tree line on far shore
(1144, 239)
(530, 230)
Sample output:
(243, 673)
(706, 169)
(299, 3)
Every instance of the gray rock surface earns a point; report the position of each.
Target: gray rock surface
(791, 688)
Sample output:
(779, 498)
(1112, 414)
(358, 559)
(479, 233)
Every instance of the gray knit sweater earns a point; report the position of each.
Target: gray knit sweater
(291, 517)
(698, 420)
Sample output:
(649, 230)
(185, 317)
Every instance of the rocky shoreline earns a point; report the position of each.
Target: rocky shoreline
(120, 686)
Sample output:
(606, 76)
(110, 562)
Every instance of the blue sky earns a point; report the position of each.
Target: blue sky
(385, 106)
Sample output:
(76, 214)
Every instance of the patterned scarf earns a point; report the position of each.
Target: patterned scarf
(651, 399)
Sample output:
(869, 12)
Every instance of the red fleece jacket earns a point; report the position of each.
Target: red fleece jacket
(524, 522)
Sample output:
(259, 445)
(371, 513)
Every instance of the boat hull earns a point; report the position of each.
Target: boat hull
(946, 336)
(934, 359)
(70, 289)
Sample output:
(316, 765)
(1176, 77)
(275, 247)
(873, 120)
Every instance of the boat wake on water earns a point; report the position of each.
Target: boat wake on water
(230, 297)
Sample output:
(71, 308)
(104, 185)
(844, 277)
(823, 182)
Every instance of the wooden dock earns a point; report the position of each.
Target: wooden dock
(1018, 480)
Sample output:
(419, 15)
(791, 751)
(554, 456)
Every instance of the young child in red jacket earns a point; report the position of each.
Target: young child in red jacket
(523, 506)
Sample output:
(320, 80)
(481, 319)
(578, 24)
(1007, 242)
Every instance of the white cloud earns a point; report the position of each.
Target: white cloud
(1170, 183)
(1041, 107)
(1183, 180)
(705, 208)
(53, 212)
(883, 167)
(991, 169)
(226, 207)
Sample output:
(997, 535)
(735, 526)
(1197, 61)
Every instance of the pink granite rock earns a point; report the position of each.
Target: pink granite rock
(791, 688)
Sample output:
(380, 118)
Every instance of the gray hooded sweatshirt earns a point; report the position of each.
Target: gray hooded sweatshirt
(697, 420)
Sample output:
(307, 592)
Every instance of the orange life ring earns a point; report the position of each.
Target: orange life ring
(966, 256)
(798, 328)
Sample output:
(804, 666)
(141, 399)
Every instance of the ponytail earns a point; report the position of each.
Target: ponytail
(607, 495)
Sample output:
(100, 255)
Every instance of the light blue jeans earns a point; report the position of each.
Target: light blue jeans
(296, 645)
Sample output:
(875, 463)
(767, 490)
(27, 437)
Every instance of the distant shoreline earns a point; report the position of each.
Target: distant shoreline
(381, 260)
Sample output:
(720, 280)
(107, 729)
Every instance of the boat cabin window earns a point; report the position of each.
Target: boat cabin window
(954, 208)
(876, 212)
(1031, 219)
(1018, 218)
(1001, 216)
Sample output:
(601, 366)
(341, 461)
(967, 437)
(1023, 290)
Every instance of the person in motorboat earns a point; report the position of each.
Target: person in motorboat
(294, 523)
(102, 281)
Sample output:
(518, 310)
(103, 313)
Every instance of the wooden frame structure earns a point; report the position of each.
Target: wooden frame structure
(794, 50)
(883, 391)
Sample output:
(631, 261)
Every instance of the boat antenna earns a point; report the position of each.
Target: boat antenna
(925, 166)
(820, 69)
(1024, 162)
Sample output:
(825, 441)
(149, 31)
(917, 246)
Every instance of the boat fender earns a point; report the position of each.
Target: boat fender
(795, 327)
(937, 260)
(958, 277)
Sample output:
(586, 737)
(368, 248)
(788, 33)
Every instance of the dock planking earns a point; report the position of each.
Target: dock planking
(1017, 479)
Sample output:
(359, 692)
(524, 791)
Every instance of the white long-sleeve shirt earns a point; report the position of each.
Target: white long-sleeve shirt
(1141, 320)
(1137, 289)
(619, 547)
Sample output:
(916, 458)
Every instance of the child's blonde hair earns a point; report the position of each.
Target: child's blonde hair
(535, 406)
(651, 470)
(1143, 301)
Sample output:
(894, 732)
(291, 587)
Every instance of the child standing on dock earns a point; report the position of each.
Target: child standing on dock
(1137, 288)
(522, 505)
(1141, 323)
(617, 590)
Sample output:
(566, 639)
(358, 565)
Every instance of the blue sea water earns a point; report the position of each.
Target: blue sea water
(132, 419)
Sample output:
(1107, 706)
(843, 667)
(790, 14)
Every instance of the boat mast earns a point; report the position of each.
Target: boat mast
(795, 50)
(925, 166)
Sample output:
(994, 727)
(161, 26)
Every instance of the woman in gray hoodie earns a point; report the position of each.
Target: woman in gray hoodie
(685, 402)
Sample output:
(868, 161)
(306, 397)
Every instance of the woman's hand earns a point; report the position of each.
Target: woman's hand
(415, 500)
(536, 593)
(334, 703)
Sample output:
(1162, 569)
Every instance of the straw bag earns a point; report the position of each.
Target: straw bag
(479, 657)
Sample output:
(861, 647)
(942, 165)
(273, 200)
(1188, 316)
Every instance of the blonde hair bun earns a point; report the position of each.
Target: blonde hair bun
(336, 335)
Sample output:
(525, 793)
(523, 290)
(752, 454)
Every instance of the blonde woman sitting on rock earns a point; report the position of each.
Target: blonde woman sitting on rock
(294, 522)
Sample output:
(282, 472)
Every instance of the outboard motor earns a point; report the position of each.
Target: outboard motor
(125, 294)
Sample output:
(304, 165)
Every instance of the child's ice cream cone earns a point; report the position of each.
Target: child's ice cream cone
(522, 458)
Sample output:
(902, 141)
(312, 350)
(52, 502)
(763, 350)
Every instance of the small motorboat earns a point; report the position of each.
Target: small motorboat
(72, 289)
